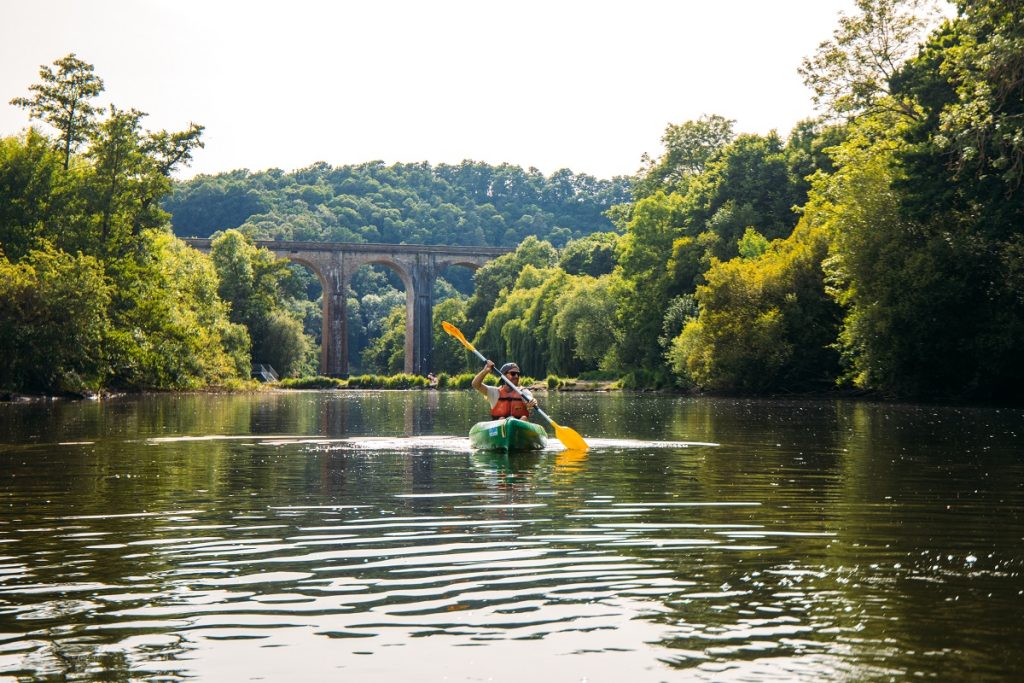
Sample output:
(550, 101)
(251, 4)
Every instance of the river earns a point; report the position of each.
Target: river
(329, 536)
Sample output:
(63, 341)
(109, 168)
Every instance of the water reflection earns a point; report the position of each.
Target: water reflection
(356, 534)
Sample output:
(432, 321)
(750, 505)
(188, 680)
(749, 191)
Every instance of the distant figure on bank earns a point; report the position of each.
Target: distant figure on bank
(505, 402)
(431, 379)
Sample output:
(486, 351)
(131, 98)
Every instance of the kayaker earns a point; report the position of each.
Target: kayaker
(505, 402)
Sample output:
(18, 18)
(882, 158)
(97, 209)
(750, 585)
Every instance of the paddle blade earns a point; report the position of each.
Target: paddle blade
(457, 333)
(569, 437)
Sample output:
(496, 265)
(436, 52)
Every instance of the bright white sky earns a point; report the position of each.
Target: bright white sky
(585, 85)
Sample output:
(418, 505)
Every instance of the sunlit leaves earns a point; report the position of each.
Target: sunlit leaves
(850, 73)
(62, 99)
(53, 322)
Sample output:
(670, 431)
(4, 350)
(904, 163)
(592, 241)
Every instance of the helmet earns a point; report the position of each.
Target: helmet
(508, 367)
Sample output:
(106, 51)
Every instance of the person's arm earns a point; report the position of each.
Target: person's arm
(478, 381)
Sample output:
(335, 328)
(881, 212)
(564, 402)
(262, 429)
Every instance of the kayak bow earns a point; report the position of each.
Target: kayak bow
(507, 434)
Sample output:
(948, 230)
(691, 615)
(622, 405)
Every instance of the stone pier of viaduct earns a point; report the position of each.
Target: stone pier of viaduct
(417, 266)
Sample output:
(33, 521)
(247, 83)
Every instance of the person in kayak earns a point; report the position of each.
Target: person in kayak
(505, 402)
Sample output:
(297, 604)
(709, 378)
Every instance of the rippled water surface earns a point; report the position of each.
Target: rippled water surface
(347, 536)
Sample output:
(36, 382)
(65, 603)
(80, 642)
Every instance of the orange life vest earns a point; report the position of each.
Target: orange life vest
(510, 404)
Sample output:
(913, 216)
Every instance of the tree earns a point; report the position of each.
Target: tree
(286, 347)
(386, 354)
(169, 327)
(518, 326)
(255, 283)
(449, 354)
(850, 74)
(132, 170)
(592, 255)
(501, 273)
(62, 100)
(53, 322)
(689, 147)
(928, 250)
(586, 309)
(656, 224)
(751, 184)
(764, 323)
(970, 80)
(752, 244)
(31, 187)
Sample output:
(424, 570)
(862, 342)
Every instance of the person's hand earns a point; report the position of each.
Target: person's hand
(532, 403)
(488, 364)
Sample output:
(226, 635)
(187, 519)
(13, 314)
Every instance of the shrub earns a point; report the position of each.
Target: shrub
(461, 381)
(599, 375)
(399, 381)
(318, 382)
(646, 379)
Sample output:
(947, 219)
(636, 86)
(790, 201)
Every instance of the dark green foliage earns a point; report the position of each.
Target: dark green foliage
(33, 187)
(592, 255)
(208, 204)
(450, 356)
(935, 304)
(258, 287)
(386, 353)
(749, 184)
(470, 203)
(53, 322)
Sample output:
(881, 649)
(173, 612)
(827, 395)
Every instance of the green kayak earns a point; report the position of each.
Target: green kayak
(508, 434)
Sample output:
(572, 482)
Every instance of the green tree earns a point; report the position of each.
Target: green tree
(689, 147)
(131, 172)
(764, 323)
(655, 226)
(518, 325)
(53, 322)
(62, 99)
(752, 244)
(851, 73)
(31, 189)
(133, 308)
(169, 327)
(449, 354)
(501, 274)
(286, 346)
(750, 183)
(592, 255)
(929, 250)
(386, 354)
(255, 283)
(586, 311)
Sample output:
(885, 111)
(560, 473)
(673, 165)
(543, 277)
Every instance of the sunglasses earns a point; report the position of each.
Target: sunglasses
(512, 373)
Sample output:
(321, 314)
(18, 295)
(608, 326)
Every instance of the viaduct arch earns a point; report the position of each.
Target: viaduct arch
(334, 263)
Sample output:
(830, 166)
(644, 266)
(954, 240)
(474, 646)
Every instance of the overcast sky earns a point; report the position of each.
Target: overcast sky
(585, 85)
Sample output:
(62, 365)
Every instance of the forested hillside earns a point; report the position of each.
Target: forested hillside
(472, 203)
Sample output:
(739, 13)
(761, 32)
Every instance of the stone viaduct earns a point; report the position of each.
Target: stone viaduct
(334, 264)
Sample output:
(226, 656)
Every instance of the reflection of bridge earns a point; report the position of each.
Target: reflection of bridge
(417, 265)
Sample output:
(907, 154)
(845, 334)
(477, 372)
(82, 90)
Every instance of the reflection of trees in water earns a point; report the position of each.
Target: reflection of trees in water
(876, 486)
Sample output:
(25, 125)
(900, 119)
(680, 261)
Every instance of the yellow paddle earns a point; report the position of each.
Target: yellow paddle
(567, 435)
